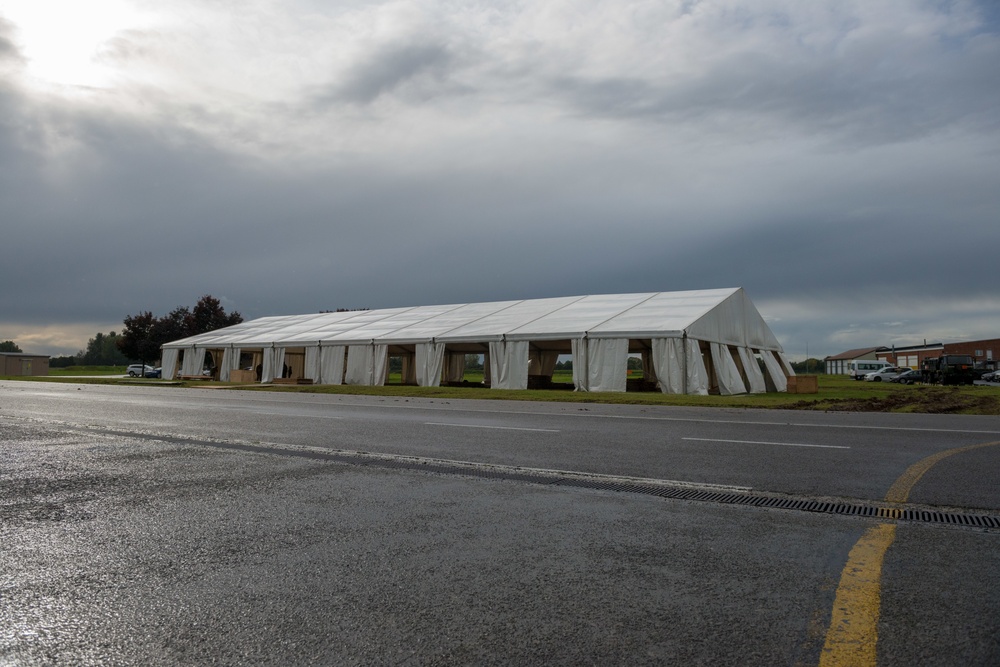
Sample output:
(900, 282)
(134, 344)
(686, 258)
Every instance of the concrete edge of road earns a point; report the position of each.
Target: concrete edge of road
(884, 509)
(471, 465)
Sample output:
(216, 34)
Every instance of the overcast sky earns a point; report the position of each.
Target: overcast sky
(838, 159)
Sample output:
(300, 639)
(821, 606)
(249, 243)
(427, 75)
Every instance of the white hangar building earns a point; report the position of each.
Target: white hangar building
(693, 342)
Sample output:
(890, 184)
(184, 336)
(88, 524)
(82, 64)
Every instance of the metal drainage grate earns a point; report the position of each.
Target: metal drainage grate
(619, 486)
(661, 491)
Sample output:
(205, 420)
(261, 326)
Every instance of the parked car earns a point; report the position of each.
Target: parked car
(155, 373)
(886, 373)
(135, 370)
(991, 376)
(907, 377)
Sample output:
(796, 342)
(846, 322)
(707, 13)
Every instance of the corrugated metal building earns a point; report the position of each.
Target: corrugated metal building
(18, 363)
(838, 364)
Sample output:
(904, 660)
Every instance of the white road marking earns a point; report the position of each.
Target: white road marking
(255, 411)
(695, 420)
(499, 428)
(759, 442)
(239, 395)
(555, 472)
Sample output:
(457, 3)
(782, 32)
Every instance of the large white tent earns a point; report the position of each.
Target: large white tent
(694, 342)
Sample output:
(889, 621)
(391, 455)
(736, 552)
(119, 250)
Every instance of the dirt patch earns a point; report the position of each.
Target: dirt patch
(931, 400)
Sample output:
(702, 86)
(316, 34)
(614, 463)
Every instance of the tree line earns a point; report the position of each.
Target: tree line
(140, 340)
(144, 334)
(102, 350)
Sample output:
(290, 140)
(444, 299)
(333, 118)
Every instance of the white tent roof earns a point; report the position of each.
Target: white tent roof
(720, 315)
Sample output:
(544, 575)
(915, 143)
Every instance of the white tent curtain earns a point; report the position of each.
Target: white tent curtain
(543, 362)
(331, 364)
(194, 361)
(668, 364)
(279, 362)
(752, 368)
(786, 363)
(185, 354)
(168, 364)
(648, 369)
(429, 362)
(697, 374)
(454, 368)
(187, 361)
(366, 364)
(199, 360)
(580, 374)
(310, 369)
(273, 359)
(380, 364)
(230, 362)
(227, 355)
(774, 370)
(267, 365)
(509, 364)
(607, 364)
(408, 373)
(359, 364)
(726, 371)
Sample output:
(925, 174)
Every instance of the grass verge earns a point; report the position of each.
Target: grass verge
(836, 393)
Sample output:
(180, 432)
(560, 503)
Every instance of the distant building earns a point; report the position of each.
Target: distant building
(984, 352)
(837, 364)
(18, 363)
(912, 356)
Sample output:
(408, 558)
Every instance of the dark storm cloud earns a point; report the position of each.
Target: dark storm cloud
(859, 166)
(866, 97)
(418, 68)
(8, 51)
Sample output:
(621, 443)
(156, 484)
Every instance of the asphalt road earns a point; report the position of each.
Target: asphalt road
(156, 525)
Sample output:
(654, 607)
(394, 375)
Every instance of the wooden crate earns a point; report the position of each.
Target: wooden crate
(803, 384)
(242, 376)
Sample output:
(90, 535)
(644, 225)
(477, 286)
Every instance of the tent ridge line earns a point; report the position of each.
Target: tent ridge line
(359, 313)
(429, 317)
(574, 301)
(735, 290)
(481, 317)
(622, 312)
(312, 318)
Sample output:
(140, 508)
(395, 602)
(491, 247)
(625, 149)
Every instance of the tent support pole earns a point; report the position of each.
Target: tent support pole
(684, 347)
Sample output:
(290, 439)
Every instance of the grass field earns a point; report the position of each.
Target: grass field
(836, 393)
(73, 371)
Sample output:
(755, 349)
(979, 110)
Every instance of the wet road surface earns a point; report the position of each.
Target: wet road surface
(166, 526)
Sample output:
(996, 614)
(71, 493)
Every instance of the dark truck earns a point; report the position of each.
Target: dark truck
(948, 369)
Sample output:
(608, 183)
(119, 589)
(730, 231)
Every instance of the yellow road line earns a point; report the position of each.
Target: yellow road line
(853, 631)
(853, 634)
(900, 490)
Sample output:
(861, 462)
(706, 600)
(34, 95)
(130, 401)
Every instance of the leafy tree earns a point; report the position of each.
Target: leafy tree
(173, 326)
(209, 315)
(144, 334)
(9, 346)
(102, 350)
(137, 341)
(810, 365)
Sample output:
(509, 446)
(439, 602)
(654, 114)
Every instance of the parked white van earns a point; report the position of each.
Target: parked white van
(859, 368)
